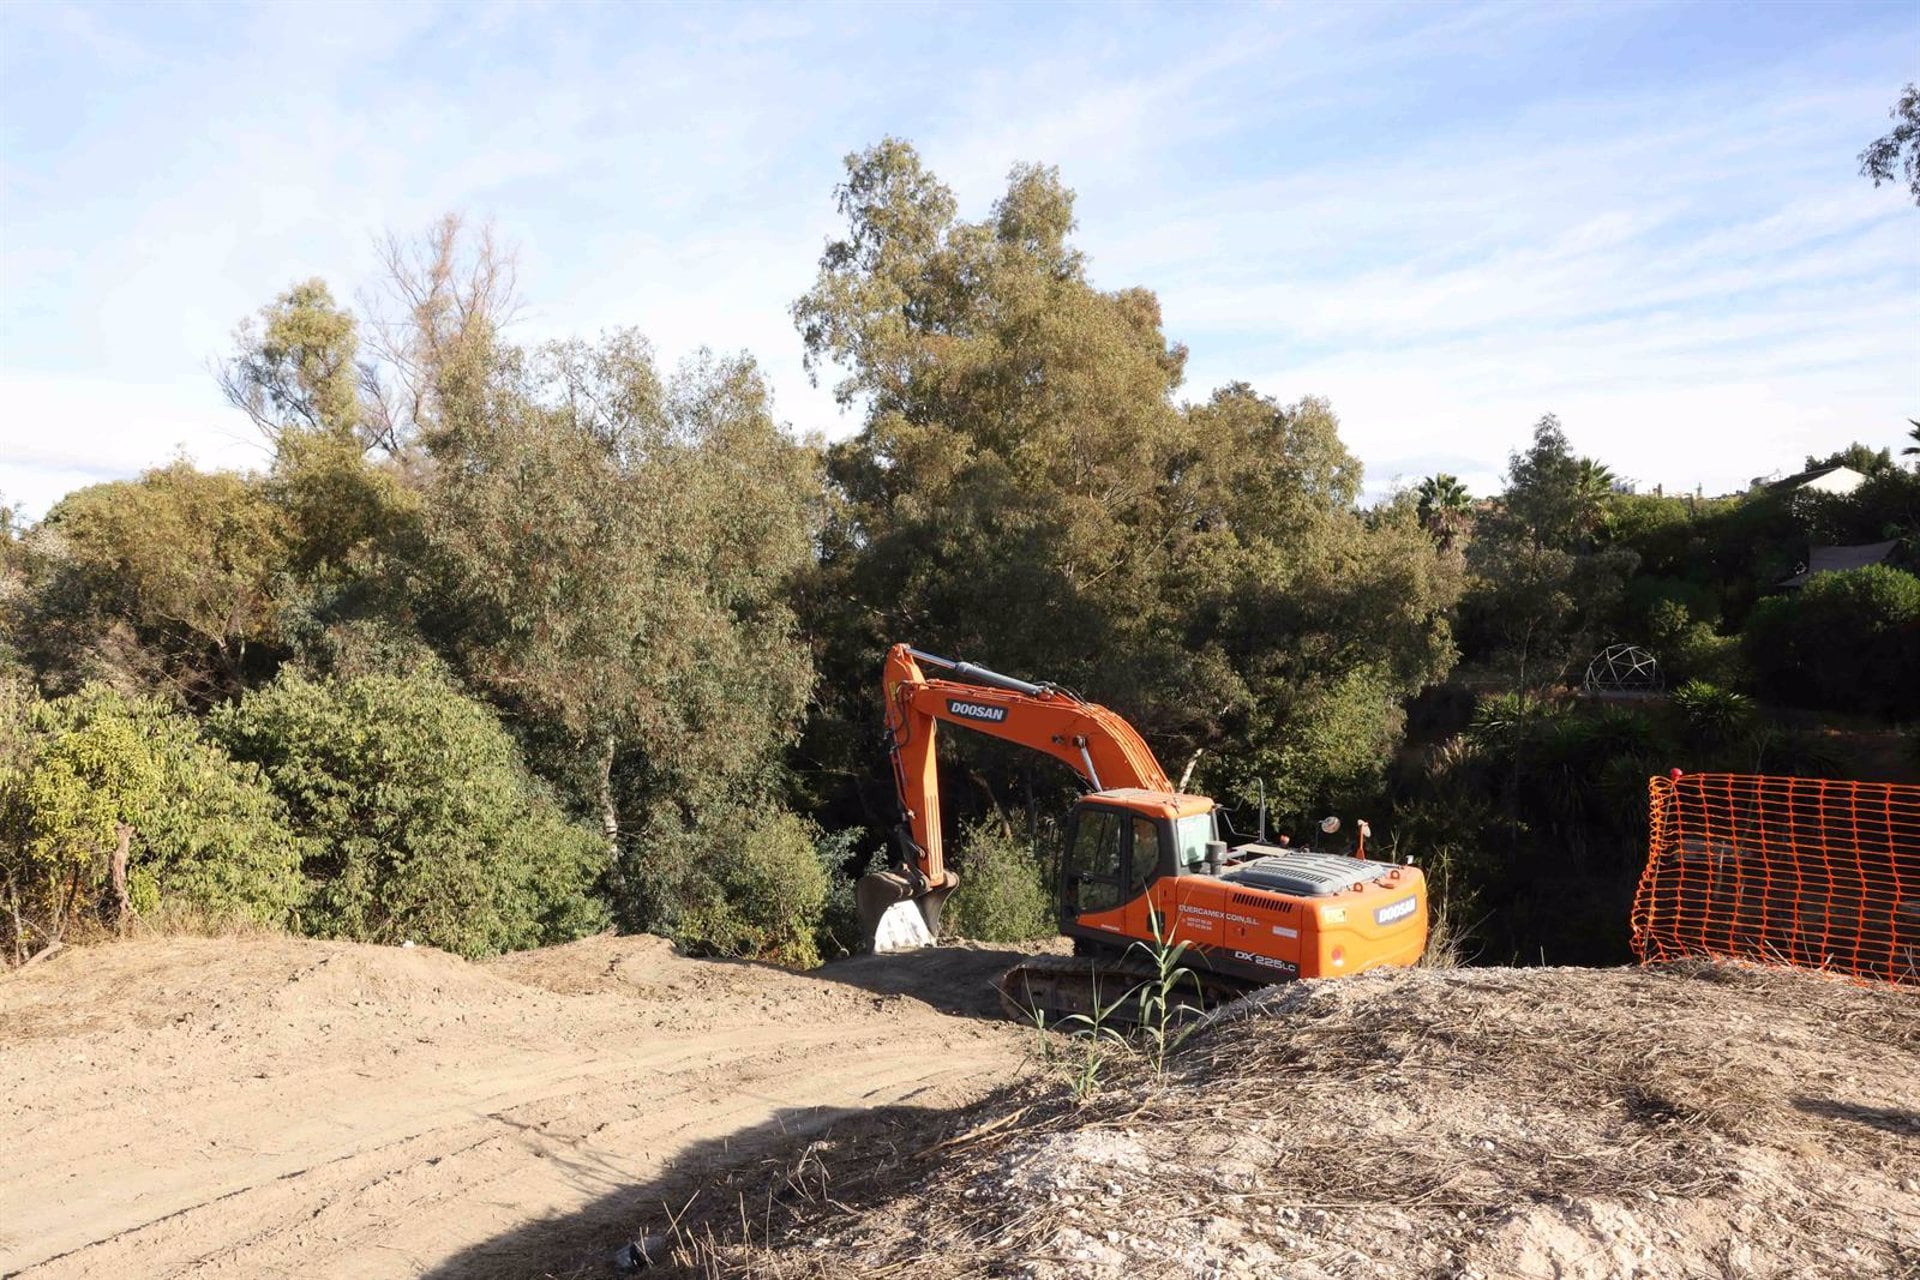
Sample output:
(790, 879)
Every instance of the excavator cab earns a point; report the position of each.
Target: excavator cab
(1119, 842)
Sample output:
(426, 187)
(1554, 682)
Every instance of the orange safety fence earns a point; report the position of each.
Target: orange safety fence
(1800, 871)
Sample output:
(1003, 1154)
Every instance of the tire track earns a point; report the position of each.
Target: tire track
(322, 1108)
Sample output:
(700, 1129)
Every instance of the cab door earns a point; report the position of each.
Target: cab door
(1111, 857)
(1093, 873)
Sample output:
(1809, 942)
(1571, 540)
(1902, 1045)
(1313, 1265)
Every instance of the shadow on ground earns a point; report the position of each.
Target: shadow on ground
(723, 1181)
(956, 979)
(1891, 1119)
(704, 1182)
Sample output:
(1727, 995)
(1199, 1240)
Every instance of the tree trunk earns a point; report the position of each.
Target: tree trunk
(67, 907)
(19, 926)
(117, 870)
(609, 815)
(993, 802)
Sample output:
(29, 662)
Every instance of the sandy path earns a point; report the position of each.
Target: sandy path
(273, 1106)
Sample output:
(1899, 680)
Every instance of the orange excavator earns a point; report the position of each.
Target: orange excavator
(1143, 863)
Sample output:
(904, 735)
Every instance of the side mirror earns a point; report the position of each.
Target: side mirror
(1216, 854)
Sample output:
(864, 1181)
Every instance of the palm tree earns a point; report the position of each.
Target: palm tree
(1446, 508)
(1592, 486)
(1914, 448)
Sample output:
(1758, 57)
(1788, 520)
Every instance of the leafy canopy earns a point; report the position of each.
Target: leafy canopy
(1849, 641)
(171, 581)
(424, 824)
(1026, 491)
(296, 367)
(1897, 151)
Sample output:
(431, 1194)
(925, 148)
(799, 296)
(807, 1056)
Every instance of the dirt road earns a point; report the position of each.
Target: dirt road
(268, 1106)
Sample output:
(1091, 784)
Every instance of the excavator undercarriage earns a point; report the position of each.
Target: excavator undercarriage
(1109, 988)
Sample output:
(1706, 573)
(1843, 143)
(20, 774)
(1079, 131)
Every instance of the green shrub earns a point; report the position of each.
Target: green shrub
(762, 896)
(1689, 649)
(424, 824)
(1845, 641)
(204, 834)
(1701, 653)
(838, 933)
(1712, 715)
(1003, 893)
(1338, 741)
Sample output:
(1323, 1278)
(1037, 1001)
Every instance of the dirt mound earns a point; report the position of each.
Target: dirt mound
(1697, 1121)
(253, 1106)
(956, 978)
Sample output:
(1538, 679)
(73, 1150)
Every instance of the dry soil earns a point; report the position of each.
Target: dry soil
(271, 1106)
(1702, 1121)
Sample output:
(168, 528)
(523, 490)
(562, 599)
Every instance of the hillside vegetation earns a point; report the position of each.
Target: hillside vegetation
(512, 641)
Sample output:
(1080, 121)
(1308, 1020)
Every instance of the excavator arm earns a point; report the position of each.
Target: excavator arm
(1094, 742)
(1091, 740)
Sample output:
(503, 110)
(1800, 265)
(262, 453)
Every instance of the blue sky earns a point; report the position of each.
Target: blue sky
(1447, 219)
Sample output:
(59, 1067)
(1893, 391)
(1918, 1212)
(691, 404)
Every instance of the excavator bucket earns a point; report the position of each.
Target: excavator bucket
(893, 917)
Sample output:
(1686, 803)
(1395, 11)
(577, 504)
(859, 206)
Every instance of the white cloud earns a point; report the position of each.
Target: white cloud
(60, 433)
(1372, 204)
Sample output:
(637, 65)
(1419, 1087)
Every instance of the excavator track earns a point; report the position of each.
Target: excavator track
(1074, 992)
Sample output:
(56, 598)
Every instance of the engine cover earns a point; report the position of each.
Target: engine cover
(1303, 873)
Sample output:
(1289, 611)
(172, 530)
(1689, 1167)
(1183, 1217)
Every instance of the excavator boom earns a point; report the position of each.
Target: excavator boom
(1094, 742)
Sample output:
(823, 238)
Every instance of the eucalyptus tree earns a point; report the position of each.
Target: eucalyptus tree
(1897, 152)
(296, 366)
(606, 555)
(1026, 488)
(1543, 579)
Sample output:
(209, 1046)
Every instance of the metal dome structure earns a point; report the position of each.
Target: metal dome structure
(1624, 669)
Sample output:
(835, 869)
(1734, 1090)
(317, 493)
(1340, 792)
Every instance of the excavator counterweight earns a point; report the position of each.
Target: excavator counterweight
(1144, 864)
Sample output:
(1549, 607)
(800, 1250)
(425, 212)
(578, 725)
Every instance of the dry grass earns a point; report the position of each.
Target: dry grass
(167, 920)
(1449, 936)
(1701, 1120)
(185, 920)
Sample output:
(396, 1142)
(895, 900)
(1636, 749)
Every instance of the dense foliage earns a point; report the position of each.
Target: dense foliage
(761, 892)
(607, 555)
(1026, 486)
(421, 822)
(94, 774)
(164, 583)
(1871, 616)
(1532, 819)
(512, 642)
(1003, 895)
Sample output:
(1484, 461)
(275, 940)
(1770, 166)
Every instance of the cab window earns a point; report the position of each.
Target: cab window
(1094, 862)
(1190, 837)
(1146, 854)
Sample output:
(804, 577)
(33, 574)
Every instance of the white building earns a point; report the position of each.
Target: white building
(1836, 479)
